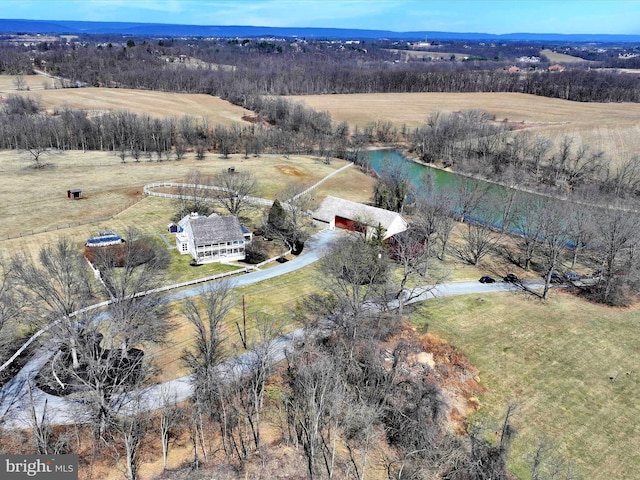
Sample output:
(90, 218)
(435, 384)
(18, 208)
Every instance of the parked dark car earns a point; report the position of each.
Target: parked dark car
(511, 278)
(487, 279)
(572, 276)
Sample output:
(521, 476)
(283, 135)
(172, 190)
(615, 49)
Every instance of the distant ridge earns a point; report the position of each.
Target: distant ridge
(173, 30)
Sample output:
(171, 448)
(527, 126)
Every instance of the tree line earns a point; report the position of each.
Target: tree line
(279, 126)
(473, 143)
(532, 232)
(234, 70)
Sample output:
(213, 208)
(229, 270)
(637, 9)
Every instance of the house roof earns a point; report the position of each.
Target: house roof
(215, 229)
(372, 216)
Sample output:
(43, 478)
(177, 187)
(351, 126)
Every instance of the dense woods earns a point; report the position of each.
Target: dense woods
(237, 69)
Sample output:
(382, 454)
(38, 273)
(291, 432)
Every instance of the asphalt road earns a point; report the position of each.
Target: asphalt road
(16, 409)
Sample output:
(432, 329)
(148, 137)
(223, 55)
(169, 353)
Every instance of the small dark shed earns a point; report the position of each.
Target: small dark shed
(74, 193)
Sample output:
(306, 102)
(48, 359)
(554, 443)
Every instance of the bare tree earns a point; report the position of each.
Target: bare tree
(581, 229)
(478, 240)
(20, 83)
(204, 361)
(528, 226)
(194, 197)
(238, 187)
(554, 238)
(469, 195)
(129, 271)
(129, 431)
(356, 272)
(47, 442)
(59, 286)
(617, 231)
(315, 405)
(171, 415)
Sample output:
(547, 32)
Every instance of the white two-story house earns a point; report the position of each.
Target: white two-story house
(212, 239)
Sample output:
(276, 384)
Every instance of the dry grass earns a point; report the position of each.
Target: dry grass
(273, 301)
(610, 127)
(555, 57)
(412, 54)
(33, 82)
(554, 360)
(35, 199)
(157, 104)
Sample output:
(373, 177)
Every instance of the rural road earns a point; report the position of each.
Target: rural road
(63, 411)
(14, 396)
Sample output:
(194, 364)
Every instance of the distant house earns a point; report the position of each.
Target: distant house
(556, 68)
(513, 69)
(212, 239)
(340, 213)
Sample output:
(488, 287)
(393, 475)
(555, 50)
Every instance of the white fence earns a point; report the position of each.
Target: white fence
(148, 191)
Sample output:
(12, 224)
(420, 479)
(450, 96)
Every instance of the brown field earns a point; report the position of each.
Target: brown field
(613, 128)
(561, 57)
(33, 82)
(158, 104)
(411, 54)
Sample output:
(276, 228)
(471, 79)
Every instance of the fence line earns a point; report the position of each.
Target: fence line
(317, 184)
(147, 191)
(70, 225)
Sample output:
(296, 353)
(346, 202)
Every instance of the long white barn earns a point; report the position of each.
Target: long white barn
(341, 213)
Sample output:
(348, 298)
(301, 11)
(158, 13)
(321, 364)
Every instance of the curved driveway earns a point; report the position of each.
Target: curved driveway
(16, 405)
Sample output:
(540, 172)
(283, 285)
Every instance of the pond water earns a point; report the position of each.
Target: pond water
(496, 200)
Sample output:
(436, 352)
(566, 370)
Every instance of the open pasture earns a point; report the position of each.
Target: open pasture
(32, 82)
(555, 57)
(570, 366)
(613, 128)
(141, 102)
(35, 200)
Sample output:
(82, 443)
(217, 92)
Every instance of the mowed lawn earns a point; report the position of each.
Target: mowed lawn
(273, 302)
(555, 361)
(613, 128)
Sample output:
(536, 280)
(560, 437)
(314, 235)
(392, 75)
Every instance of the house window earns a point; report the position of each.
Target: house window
(184, 247)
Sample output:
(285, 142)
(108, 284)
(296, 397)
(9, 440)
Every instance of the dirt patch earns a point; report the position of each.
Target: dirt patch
(456, 376)
(290, 170)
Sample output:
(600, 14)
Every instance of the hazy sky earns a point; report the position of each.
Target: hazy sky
(495, 16)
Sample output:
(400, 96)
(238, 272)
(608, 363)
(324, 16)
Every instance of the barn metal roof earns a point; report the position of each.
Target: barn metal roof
(372, 216)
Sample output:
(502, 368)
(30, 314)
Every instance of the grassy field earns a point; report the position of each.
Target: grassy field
(555, 361)
(159, 104)
(435, 55)
(36, 199)
(272, 301)
(555, 57)
(32, 82)
(610, 127)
